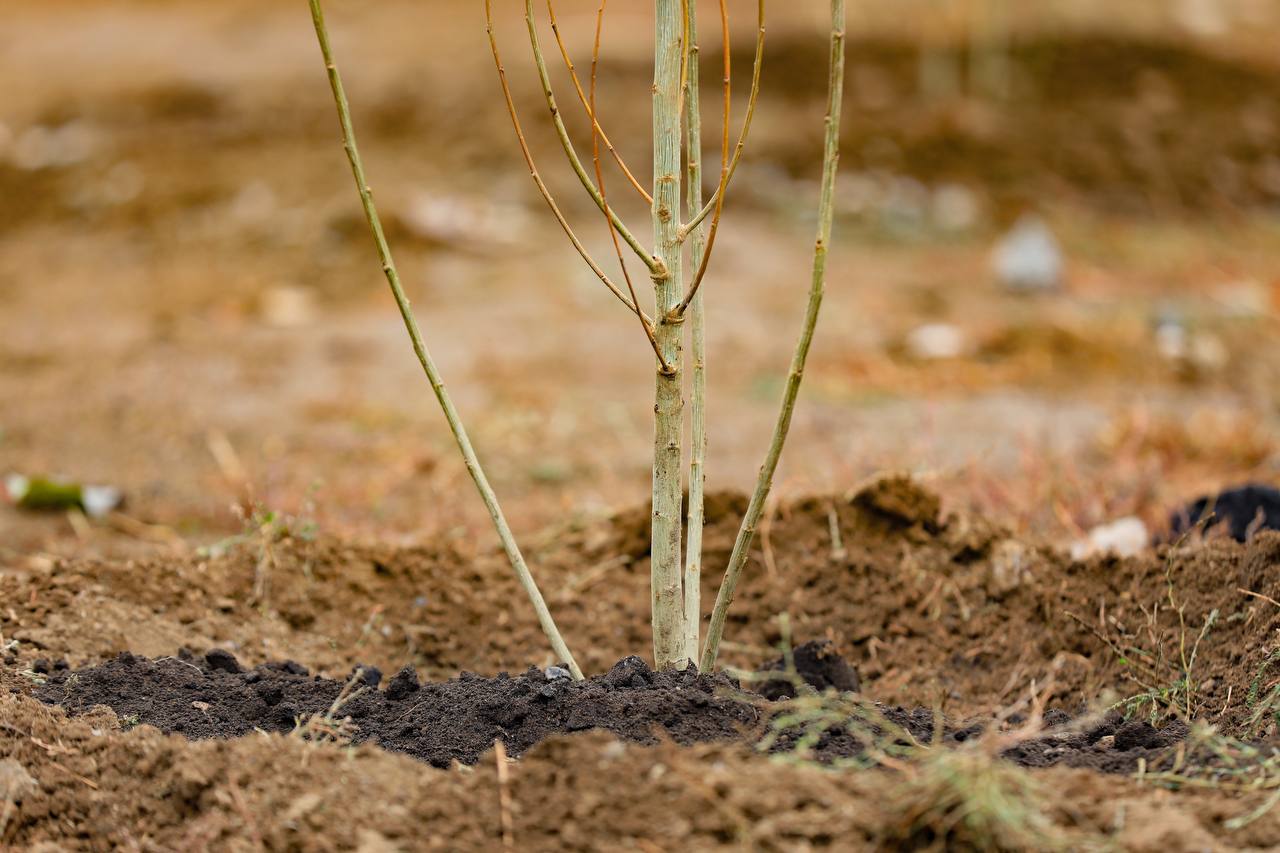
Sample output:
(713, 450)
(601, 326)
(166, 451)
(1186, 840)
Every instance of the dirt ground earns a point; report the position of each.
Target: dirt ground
(191, 311)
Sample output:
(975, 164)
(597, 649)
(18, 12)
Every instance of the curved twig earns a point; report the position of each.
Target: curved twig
(651, 260)
(516, 559)
(710, 206)
(537, 178)
(826, 206)
(589, 104)
(595, 160)
(724, 171)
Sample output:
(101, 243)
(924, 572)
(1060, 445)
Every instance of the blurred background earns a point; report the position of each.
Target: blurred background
(1054, 288)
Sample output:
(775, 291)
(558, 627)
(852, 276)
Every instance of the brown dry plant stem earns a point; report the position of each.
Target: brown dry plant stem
(424, 357)
(764, 482)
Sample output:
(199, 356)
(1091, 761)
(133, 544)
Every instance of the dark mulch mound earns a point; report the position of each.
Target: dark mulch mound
(458, 720)
(818, 664)
(1242, 512)
(213, 697)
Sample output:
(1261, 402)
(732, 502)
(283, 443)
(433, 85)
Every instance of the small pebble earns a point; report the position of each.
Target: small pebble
(1028, 258)
(555, 672)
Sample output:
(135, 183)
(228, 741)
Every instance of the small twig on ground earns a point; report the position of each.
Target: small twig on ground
(1265, 598)
(837, 544)
(242, 808)
(504, 795)
(89, 782)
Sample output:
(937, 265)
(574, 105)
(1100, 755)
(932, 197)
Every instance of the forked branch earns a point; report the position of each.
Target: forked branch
(826, 205)
(589, 104)
(424, 357)
(752, 99)
(724, 170)
(651, 260)
(537, 178)
(595, 161)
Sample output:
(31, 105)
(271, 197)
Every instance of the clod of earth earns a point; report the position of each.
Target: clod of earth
(1242, 511)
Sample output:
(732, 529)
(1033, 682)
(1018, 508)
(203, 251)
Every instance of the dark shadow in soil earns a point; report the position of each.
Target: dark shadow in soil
(458, 720)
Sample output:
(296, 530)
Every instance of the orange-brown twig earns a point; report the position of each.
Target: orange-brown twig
(724, 170)
(752, 99)
(596, 135)
(589, 104)
(537, 178)
(651, 260)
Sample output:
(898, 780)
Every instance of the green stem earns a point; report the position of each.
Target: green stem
(698, 352)
(424, 357)
(746, 533)
(665, 574)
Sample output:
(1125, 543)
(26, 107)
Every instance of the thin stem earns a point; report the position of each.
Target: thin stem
(589, 104)
(595, 161)
(652, 261)
(831, 157)
(665, 553)
(724, 170)
(698, 353)
(537, 178)
(424, 357)
(758, 63)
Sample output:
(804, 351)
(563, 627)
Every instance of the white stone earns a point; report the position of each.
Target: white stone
(935, 341)
(1124, 537)
(287, 306)
(1028, 258)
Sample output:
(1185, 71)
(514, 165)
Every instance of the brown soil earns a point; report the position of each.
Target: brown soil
(932, 608)
(192, 312)
(1095, 118)
(937, 610)
(85, 784)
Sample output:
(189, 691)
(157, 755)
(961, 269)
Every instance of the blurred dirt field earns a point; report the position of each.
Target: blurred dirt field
(191, 310)
(181, 257)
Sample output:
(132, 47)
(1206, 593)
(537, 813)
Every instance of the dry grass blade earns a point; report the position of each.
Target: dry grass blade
(589, 104)
(537, 178)
(472, 461)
